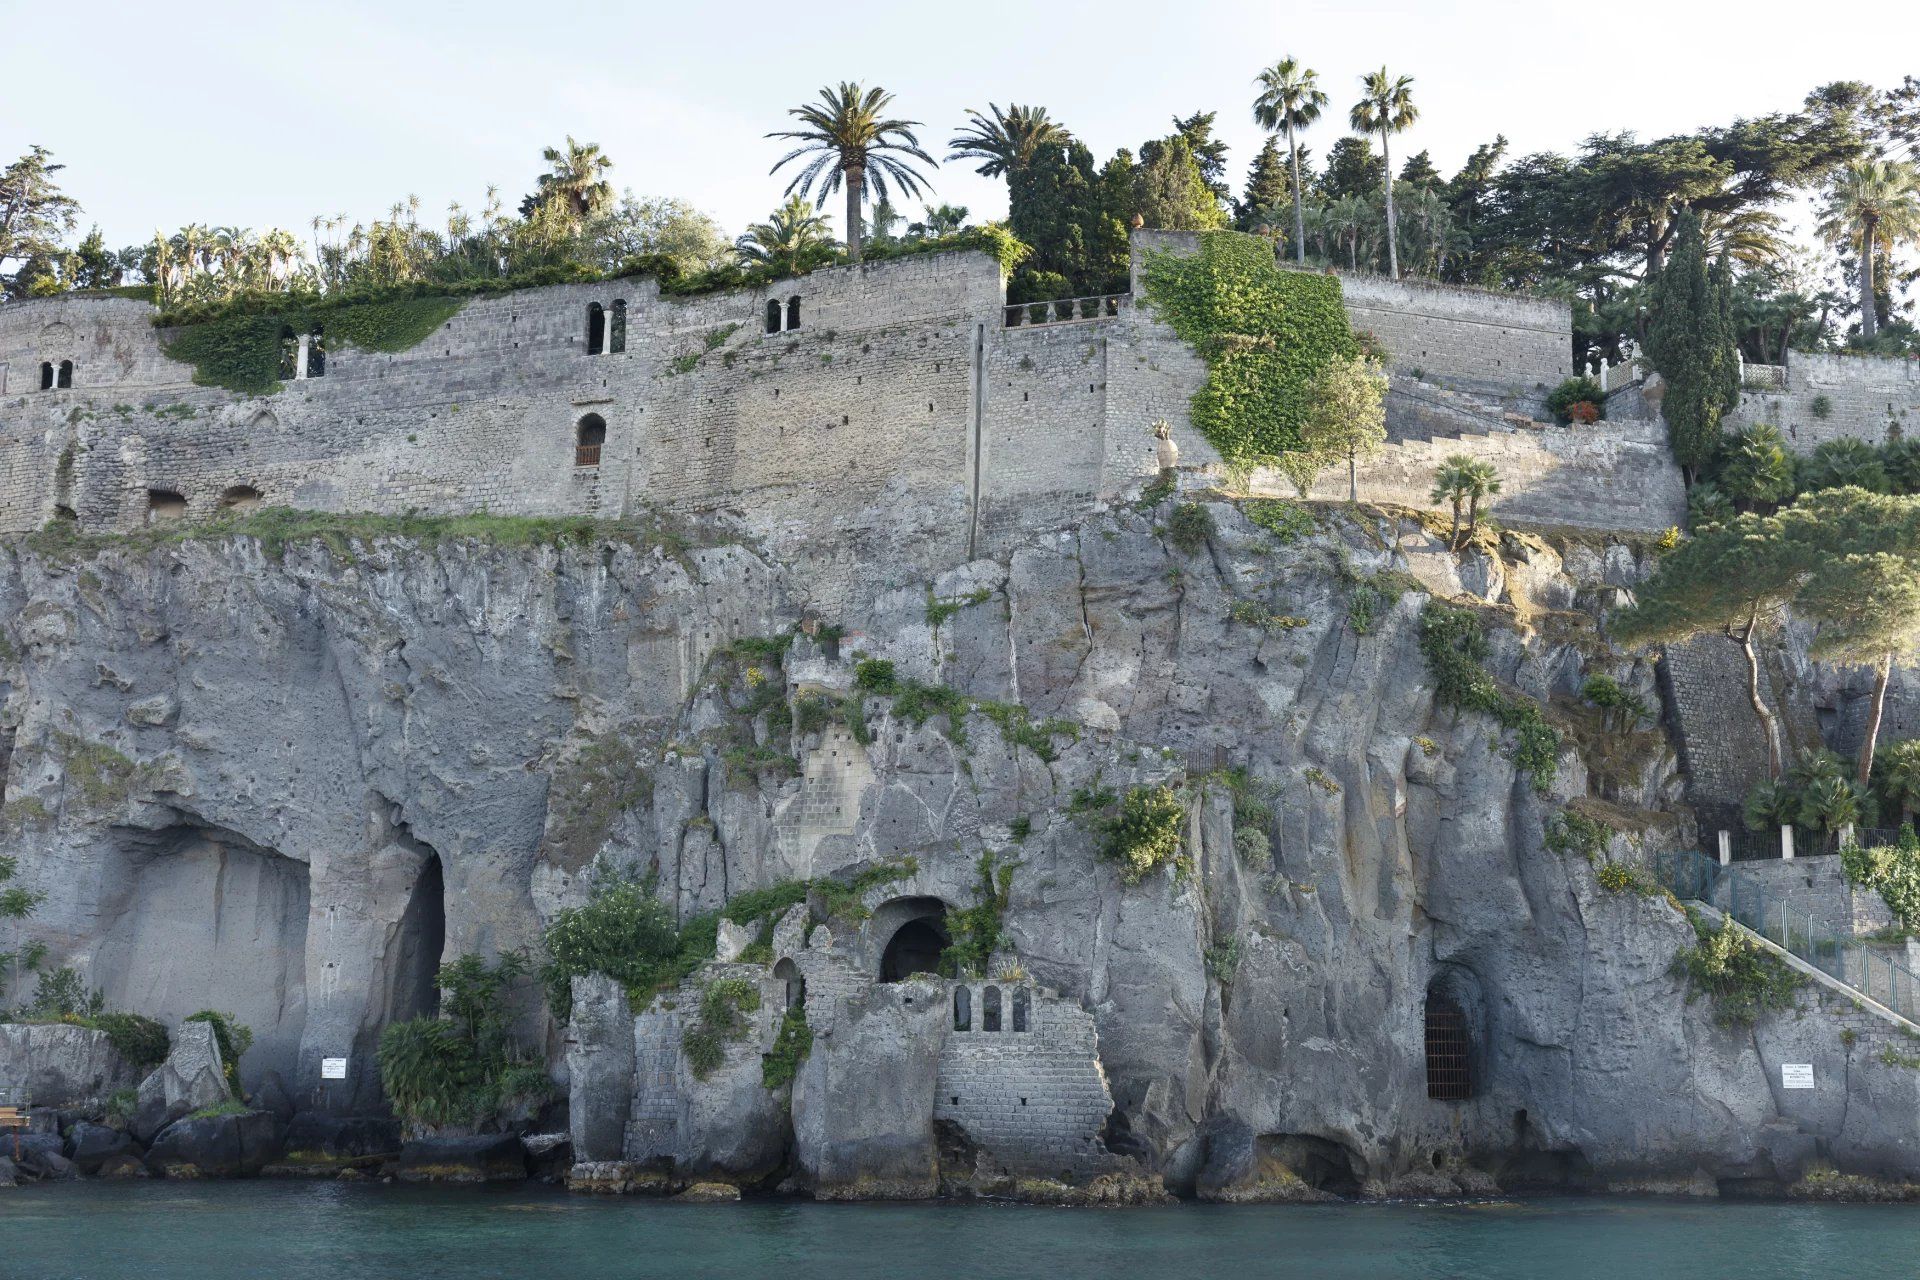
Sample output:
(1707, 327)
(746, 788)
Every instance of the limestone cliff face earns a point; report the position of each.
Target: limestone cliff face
(286, 784)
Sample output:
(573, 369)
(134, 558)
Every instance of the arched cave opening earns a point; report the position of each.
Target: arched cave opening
(423, 936)
(914, 948)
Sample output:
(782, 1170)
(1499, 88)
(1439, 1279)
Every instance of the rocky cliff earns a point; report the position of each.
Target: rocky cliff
(284, 777)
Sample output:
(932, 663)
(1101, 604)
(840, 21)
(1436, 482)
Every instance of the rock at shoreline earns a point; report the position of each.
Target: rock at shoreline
(486, 1157)
(222, 1146)
(91, 1145)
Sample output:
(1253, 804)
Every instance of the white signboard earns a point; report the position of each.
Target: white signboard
(336, 1069)
(1796, 1075)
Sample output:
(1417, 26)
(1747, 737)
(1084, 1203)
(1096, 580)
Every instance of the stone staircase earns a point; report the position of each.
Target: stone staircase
(1423, 411)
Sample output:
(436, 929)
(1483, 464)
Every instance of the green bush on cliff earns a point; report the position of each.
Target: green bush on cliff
(622, 930)
(1145, 834)
(1891, 870)
(1455, 645)
(790, 1049)
(1265, 334)
(463, 1067)
(975, 930)
(1741, 978)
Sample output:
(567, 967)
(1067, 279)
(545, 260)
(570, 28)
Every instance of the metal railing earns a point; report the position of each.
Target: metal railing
(1021, 315)
(586, 455)
(1691, 875)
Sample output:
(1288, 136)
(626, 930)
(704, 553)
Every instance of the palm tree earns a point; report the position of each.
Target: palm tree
(1006, 141)
(1899, 777)
(577, 176)
(1874, 205)
(1290, 99)
(855, 145)
(941, 220)
(1463, 481)
(1346, 218)
(1386, 108)
(782, 242)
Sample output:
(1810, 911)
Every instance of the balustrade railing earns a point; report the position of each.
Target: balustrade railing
(1022, 315)
(1763, 377)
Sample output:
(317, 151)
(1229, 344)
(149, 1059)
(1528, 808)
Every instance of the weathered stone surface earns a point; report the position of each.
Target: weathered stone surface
(600, 1068)
(91, 1145)
(863, 1103)
(487, 1157)
(222, 1146)
(318, 1140)
(55, 1065)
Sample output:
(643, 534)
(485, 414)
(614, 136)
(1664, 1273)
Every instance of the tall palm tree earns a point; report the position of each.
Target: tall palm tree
(1386, 108)
(1005, 141)
(853, 143)
(1345, 219)
(576, 174)
(1290, 99)
(1874, 205)
(783, 240)
(1464, 481)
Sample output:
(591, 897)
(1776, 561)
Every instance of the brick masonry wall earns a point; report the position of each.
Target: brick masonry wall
(1867, 398)
(1036, 1099)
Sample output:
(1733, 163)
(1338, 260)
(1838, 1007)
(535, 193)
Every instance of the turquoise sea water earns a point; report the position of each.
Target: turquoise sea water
(304, 1231)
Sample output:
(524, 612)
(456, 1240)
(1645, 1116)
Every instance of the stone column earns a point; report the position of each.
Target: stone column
(1786, 842)
(300, 361)
(1726, 848)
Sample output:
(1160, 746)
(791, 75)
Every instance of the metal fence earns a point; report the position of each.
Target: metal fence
(1022, 315)
(1875, 974)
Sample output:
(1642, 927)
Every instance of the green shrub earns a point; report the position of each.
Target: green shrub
(1742, 979)
(1618, 877)
(1821, 406)
(1604, 692)
(1286, 521)
(875, 675)
(1893, 871)
(1189, 527)
(1263, 332)
(621, 931)
(1576, 390)
(1223, 960)
(1570, 831)
(141, 1041)
(1251, 846)
(463, 1067)
(1145, 834)
(974, 932)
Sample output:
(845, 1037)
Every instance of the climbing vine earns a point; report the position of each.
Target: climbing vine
(244, 352)
(1743, 980)
(1893, 871)
(1145, 834)
(975, 930)
(1265, 334)
(724, 1004)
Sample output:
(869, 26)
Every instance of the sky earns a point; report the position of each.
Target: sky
(261, 115)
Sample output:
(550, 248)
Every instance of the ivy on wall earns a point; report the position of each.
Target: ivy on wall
(1265, 334)
(242, 351)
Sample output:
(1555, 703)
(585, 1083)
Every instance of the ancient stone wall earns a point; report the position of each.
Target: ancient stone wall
(1833, 397)
(1506, 343)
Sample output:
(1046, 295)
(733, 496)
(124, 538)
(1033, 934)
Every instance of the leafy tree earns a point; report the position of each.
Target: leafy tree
(937, 221)
(575, 180)
(1290, 99)
(1897, 778)
(1690, 346)
(653, 226)
(1420, 174)
(1006, 142)
(1757, 470)
(1171, 191)
(1872, 207)
(853, 143)
(1867, 608)
(463, 1067)
(1209, 152)
(792, 241)
(17, 903)
(1386, 108)
(1345, 421)
(1352, 169)
(1464, 481)
(1266, 189)
(34, 214)
(93, 265)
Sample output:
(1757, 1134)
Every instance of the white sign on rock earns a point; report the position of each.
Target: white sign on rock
(336, 1068)
(1796, 1075)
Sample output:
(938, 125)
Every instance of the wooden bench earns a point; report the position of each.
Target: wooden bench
(14, 1118)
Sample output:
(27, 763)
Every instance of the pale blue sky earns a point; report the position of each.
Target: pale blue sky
(264, 114)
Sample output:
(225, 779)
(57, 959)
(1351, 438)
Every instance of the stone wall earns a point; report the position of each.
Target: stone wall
(1505, 343)
(1863, 398)
(1033, 1096)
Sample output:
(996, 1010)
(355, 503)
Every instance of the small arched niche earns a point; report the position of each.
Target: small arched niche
(793, 312)
(165, 504)
(240, 497)
(617, 327)
(589, 436)
(596, 329)
(66, 373)
(990, 1009)
(963, 1008)
(796, 983)
(773, 315)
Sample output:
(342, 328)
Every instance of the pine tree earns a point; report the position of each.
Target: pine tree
(1171, 189)
(1266, 186)
(1352, 169)
(1691, 345)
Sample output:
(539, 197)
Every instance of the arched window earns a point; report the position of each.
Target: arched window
(317, 352)
(46, 376)
(789, 973)
(1021, 1008)
(793, 312)
(596, 329)
(1449, 1075)
(66, 373)
(962, 1008)
(241, 497)
(165, 504)
(617, 332)
(990, 1009)
(773, 315)
(588, 436)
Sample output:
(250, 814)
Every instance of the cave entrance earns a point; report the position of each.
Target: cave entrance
(915, 948)
(423, 936)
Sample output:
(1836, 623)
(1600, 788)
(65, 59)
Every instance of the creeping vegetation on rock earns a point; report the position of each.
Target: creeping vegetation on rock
(1891, 870)
(1286, 521)
(790, 1048)
(1189, 527)
(1455, 645)
(1743, 980)
(464, 1067)
(1570, 831)
(234, 1038)
(975, 930)
(724, 1004)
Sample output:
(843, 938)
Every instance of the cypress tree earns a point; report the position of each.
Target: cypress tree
(1266, 186)
(1690, 344)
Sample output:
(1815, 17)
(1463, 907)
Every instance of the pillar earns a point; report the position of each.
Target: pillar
(300, 361)
(1786, 842)
(1846, 835)
(1726, 848)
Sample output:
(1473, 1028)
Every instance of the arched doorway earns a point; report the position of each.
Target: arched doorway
(796, 985)
(918, 936)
